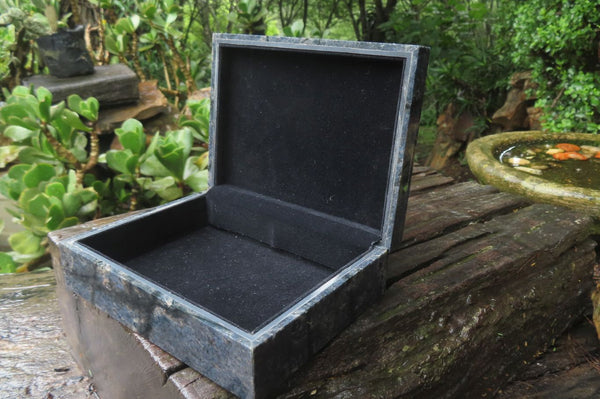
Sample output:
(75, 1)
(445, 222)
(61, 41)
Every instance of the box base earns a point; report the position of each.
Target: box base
(235, 277)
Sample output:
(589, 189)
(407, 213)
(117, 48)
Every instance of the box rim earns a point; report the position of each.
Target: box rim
(249, 339)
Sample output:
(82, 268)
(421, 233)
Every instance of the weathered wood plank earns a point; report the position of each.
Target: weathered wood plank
(423, 182)
(455, 328)
(446, 209)
(192, 385)
(440, 331)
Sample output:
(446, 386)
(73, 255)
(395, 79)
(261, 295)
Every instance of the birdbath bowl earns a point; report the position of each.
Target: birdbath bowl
(556, 168)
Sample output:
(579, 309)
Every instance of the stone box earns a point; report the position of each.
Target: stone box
(311, 146)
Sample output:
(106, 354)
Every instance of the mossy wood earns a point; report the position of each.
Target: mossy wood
(482, 285)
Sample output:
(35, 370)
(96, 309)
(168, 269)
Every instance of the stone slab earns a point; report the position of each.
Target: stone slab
(151, 103)
(110, 84)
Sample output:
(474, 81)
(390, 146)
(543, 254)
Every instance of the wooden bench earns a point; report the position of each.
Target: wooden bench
(483, 283)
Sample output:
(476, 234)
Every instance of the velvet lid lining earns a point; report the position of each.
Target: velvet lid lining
(315, 129)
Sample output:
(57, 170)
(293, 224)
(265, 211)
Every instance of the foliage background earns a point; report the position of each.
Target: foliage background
(475, 47)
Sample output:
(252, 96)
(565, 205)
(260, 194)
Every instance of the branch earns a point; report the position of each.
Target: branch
(136, 58)
(59, 148)
(353, 19)
(35, 263)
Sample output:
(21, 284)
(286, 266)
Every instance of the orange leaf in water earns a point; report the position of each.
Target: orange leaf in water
(561, 156)
(577, 156)
(568, 147)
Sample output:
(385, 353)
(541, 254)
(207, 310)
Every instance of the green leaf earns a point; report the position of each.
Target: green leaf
(38, 173)
(88, 108)
(16, 114)
(18, 133)
(122, 161)
(56, 110)
(174, 150)
(153, 167)
(68, 222)
(166, 188)
(56, 215)
(111, 44)
(79, 148)
(74, 102)
(131, 136)
(18, 171)
(148, 10)
(92, 108)
(9, 153)
(72, 119)
(194, 177)
(87, 195)
(45, 103)
(25, 242)
(38, 206)
(198, 181)
(56, 189)
(135, 21)
(31, 155)
(72, 203)
(7, 264)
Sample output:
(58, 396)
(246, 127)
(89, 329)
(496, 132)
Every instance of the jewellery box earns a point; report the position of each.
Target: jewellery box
(311, 144)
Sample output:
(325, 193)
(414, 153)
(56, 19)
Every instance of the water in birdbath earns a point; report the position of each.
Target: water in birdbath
(563, 163)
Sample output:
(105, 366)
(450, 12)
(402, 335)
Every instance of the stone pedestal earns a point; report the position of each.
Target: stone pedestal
(110, 84)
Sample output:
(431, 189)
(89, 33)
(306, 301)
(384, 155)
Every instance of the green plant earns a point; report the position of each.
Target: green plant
(558, 40)
(61, 179)
(20, 22)
(469, 64)
(155, 32)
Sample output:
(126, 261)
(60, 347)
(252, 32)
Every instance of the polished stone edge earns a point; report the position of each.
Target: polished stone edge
(251, 365)
(407, 115)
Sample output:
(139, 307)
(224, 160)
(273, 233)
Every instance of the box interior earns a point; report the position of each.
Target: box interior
(303, 144)
(247, 276)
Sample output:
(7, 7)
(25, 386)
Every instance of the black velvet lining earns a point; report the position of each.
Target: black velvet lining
(330, 241)
(240, 255)
(236, 278)
(313, 129)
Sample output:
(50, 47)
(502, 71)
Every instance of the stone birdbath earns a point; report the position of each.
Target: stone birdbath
(556, 168)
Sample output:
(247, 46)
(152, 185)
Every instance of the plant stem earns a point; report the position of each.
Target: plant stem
(136, 58)
(61, 151)
(94, 152)
(35, 263)
(75, 11)
(189, 81)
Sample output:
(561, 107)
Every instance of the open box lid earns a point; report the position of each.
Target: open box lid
(321, 124)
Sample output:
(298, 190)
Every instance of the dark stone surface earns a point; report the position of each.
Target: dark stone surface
(110, 84)
(65, 53)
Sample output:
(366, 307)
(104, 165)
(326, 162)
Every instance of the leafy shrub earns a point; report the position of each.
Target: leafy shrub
(61, 179)
(558, 40)
(468, 64)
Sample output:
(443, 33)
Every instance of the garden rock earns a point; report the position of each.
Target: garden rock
(109, 84)
(151, 103)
